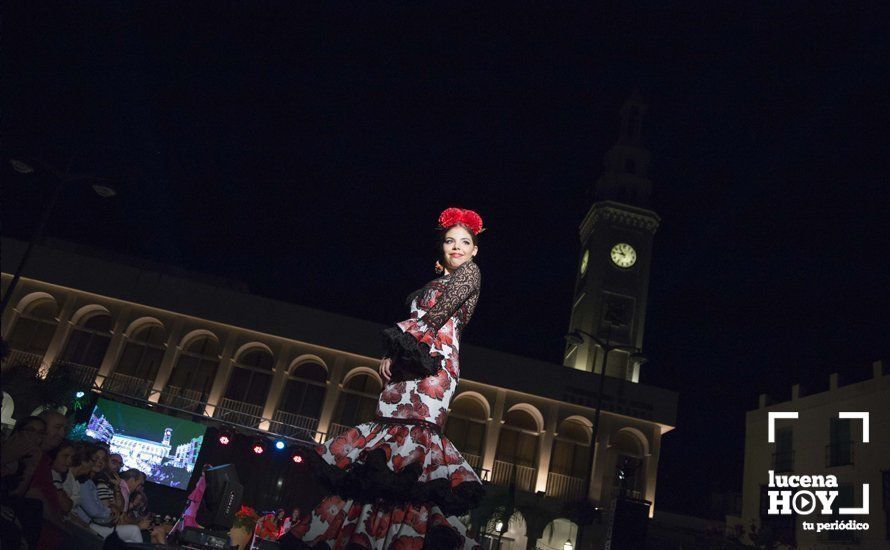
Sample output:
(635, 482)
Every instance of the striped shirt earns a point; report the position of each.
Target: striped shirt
(104, 491)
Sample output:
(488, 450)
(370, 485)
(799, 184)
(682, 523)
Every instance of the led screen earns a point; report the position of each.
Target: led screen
(164, 447)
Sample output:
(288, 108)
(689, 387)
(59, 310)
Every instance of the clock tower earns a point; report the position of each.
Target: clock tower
(612, 279)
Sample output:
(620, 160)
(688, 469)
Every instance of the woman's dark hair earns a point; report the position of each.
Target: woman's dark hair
(132, 473)
(440, 239)
(25, 422)
(83, 452)
(440, 233)
(53, 453)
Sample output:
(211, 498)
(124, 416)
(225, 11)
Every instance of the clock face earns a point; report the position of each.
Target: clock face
(584, 259)
(624, 255)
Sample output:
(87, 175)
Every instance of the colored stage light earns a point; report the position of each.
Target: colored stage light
(79, 394)
(280, 445)
(224, 439)
(297, 458)
(258, 448)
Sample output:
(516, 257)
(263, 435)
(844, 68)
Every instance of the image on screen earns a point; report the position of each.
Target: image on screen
(164, 447)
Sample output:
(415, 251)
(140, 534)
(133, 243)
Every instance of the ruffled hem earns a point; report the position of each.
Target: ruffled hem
(411, 358)
(372, 481)
(437, 537)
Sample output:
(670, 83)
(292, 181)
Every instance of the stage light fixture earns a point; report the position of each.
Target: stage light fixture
(224, 439)
(258, 448)
(79, 394)
(280, 445)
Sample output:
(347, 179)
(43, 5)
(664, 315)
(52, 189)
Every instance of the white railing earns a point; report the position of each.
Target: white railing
(565, 487)
(503, 473)
(183, 398)
(475, 461)
(83, 374)
(125, 384)
(239, 412)
(25, 360)
(294, 425)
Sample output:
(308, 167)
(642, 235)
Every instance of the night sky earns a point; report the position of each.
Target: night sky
(307, 152)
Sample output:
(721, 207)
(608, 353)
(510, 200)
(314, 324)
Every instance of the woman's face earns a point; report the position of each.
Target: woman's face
(98, 461)
(63, 460)
(458, 247)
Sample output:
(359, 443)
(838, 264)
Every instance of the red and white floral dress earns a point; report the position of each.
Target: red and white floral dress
(397, 481)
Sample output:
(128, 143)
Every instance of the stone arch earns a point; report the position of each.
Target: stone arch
(250, 346)
(306, 358)
(187, 340)
(563, 432)
(479, 398)
(556, 533)
(532, 411)
(362, 370)
(32, 326)
(141, 323)
(33, 299)
(630, 435)
(84, 313)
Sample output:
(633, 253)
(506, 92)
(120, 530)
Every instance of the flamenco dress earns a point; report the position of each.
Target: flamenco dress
(397, 481)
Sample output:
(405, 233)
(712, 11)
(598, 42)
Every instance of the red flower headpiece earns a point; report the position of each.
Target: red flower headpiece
(453, 216)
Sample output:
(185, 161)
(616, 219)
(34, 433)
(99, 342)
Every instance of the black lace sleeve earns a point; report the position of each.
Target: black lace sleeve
(414, 345)
(464, 282)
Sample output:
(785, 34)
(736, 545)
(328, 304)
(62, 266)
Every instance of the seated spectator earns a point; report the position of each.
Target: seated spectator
(81, 464)
(41, 487)
(61, 458)
(108, 483)
(20, 517)
(132, 481)
(90, 510)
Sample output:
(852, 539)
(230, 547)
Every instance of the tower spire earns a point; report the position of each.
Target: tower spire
(627, 162)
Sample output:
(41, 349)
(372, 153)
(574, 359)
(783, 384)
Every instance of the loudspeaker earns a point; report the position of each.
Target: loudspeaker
(629, 522)
(222, 498)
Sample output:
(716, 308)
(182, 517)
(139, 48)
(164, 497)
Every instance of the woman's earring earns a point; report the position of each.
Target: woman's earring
(439, 268)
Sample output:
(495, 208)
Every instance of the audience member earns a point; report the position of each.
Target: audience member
(92, 511)
(21, 517)
(108, 483)
(132, 481)
(81, 465)
(61, 458)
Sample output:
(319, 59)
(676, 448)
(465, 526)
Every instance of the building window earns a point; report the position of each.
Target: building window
(89, 341)
(358, 401)
(465, 428)
(34, 329)
(197, 364)
(783, 526)
(571, 450)
(143, 353)
(305, 391)
(783, 457)
(839, 451)
(251, 377)
(846, 498)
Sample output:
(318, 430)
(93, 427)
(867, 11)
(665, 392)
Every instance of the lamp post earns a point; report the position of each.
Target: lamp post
(578, 337)
(27, 168)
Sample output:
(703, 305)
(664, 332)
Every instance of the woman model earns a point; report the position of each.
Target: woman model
(397, 482)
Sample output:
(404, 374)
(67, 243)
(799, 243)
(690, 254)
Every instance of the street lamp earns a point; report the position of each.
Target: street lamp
(27, 168)
(578, 338)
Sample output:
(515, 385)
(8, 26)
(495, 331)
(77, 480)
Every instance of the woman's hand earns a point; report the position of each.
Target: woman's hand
(384, 368)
